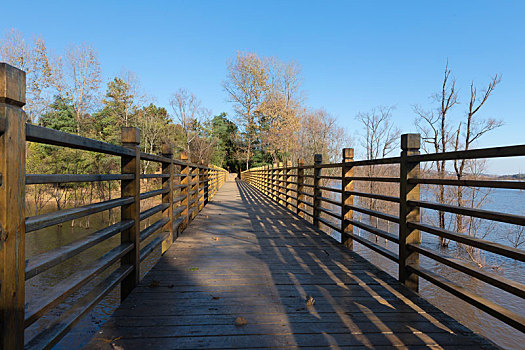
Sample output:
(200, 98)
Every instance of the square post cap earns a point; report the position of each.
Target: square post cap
(167, 150)
(348, 153)
(12, 85)
(130, 135)
(318, 158)
(410, 141)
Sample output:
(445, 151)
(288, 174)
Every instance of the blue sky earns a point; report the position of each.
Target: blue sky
(354, 55)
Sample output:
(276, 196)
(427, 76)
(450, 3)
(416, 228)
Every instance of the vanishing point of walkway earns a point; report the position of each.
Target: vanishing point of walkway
(245, 256)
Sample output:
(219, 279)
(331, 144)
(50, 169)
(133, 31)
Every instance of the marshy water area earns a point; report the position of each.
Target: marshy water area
(508, 201)
(56, 236)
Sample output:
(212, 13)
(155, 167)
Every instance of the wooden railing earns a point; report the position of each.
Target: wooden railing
(186, 189)
(305, 190)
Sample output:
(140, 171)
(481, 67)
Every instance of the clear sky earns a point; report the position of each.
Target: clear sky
(354, 55)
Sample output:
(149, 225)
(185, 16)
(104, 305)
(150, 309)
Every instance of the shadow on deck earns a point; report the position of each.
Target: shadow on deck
(246, 256)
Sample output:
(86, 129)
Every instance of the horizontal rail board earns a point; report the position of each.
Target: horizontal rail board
(498, 281)
(66, 287)
(38, 222)
(502, 314)
(154, 176)
(329, 224)
(373, 195)
(375, 247)
(374, 179)
(151, 246)
(479, 213)
(330, 212)
(155, 158)
(328, 200)
(154, 193)
(42, 262)
(180, 198)
(381, 161)
(148, 231)
(153, 210)
(58, 328)
(494, 152)
(497, 248)
(179, 210)
(330, 189)
(520, 185)
(374, 230)
(37, 179)
(35, 133)
(375, 213)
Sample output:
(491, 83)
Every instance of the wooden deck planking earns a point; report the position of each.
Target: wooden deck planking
(244, 255)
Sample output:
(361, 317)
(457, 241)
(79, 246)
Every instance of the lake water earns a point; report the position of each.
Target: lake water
(55, 236)
(510, 201)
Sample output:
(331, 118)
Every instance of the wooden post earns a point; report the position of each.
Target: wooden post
(194, 190)
(318, 159)
(347, 199)
(185, 181)
(131, 188)
(206, 185)
(289, 185)
(274, 197)
(201, 183)
(12, 206)
(167, 198)
(410, 144)
(300, 187)
(268, 182)
(280, 181)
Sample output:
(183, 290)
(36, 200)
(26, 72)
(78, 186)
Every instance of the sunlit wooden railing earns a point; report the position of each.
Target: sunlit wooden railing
(305, 189)
(186, 189)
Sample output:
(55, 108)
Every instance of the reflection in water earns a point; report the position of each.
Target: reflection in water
(56, 236)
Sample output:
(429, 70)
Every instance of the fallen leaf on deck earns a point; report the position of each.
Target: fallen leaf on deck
(194, 269)
(216, 238)
(154, 284)
(240, 321)
(215, 298)
(310, 301)
(116, 347)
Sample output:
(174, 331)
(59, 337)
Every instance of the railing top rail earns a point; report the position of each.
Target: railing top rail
(40, 134)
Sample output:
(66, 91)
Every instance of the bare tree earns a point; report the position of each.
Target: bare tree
(440, 136)
(437, 135)
(191, 116)
(516, 235)
(81, 79)
(246, 85)
(474, 129)
(33, 58)
(380, 138)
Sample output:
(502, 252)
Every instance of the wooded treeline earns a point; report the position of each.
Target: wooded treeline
(272, 122)
(66, 92)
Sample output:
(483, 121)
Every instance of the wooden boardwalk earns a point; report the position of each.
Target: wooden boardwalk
(245, 256)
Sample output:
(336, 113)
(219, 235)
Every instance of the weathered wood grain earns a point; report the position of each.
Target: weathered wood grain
(244, 255)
